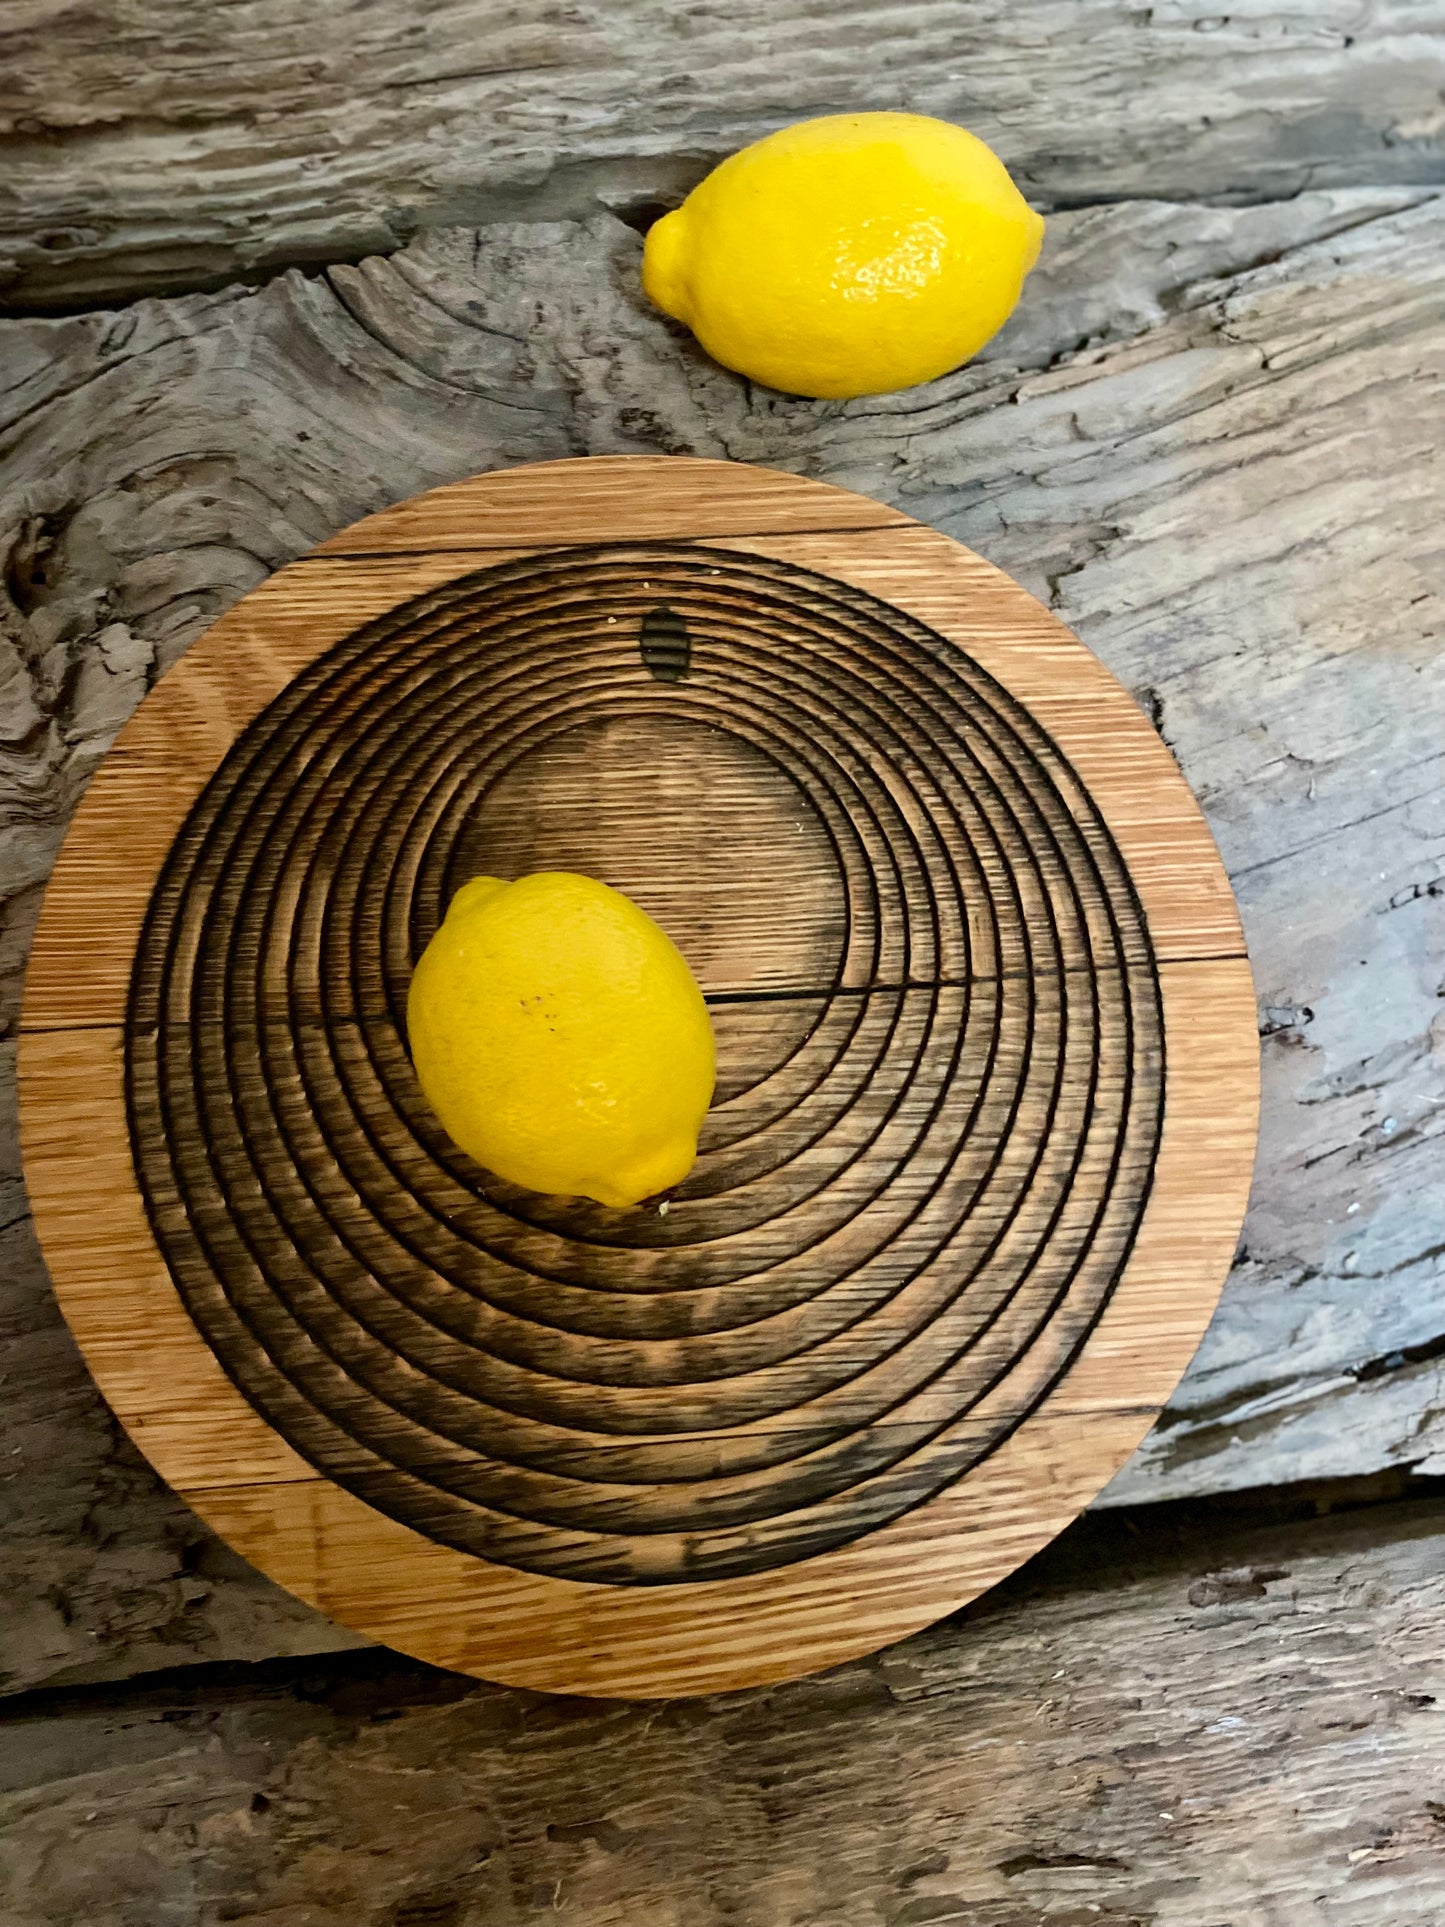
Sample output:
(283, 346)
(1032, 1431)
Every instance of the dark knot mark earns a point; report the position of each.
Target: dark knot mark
(665, 644)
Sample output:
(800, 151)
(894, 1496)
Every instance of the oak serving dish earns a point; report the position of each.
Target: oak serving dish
(986, 1107)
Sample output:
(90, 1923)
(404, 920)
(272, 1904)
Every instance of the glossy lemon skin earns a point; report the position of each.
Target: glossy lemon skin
(561, 1039)
(847, 256)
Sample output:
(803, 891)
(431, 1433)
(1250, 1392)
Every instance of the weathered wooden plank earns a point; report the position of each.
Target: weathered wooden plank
(155, 147)
(1174, 1728)
(1232, 489)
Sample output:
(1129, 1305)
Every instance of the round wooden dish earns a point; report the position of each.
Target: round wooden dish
(984, 1125)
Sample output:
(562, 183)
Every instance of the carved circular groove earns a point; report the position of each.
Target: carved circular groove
(942, 893)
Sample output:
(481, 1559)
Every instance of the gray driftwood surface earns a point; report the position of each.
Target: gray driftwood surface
(1213, 439)
(163, 145)
(1243, 1733)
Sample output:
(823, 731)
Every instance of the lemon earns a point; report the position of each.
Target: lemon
(847, 255)
(561, 1039)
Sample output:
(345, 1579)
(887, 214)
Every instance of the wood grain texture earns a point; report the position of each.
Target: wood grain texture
(1232, 490)
(1179, 1722)
(904, 1317)
(161, 147)
(597, 500)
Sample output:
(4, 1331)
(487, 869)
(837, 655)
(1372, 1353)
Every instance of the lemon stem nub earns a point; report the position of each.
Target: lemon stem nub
(664, 269)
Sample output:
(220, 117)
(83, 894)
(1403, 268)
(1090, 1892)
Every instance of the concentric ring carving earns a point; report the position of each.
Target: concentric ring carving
(919, 1187)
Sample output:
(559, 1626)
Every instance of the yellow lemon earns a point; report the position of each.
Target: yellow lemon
(561, 1039)
(847, 255)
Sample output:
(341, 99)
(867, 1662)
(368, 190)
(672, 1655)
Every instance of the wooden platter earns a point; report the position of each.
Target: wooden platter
(985, 1118)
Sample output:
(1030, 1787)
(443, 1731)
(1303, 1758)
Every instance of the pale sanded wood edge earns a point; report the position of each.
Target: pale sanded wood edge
(385, 1580)
(610, 498)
